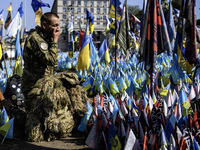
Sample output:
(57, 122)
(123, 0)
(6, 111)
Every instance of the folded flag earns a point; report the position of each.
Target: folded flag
(85, 118)
(4, 117)
(113, 140)
(7, 130)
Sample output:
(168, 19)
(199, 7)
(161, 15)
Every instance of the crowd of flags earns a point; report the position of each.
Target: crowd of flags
(144, 96)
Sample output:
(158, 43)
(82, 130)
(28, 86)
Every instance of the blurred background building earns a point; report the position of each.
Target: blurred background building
(75, 10)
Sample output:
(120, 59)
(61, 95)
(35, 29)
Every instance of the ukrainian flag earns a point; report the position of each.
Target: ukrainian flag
(91, 22)
(112, 9)
(83, 59)
(113, 140)
(18, 64)
(37, 4)
(7, 129)
(186, 107)
(4, 117)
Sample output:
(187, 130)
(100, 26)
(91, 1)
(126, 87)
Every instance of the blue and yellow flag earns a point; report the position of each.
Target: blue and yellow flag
(112, 26)
(7, 130)
(18, 64)
(107, 24)
(71, 47)
(91, 22)
(16, 23)
(186, 107)
(4, 117)
(118, 9)
(37, 4)
(1, 16)
(71, 26)
(180, 48)
(9, 16)
(83, 59)
(113, 140)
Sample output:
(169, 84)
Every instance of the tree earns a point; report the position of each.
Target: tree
(198, 22)
(135, 10)
(176, 4)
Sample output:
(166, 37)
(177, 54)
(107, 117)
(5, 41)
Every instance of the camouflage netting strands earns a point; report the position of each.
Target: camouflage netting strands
(54, 106)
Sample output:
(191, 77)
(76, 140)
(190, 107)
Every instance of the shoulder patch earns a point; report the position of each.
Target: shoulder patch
(44, 46)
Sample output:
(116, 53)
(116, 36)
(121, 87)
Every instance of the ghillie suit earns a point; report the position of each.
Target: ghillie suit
(55, 106)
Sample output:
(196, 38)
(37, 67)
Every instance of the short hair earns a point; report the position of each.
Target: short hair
(47, 17)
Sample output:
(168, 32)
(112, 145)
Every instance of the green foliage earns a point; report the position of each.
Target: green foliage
(198, 22)
(176, 4)
(135, 10)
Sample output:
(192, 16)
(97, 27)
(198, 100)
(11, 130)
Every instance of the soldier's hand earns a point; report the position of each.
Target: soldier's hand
(56, 34)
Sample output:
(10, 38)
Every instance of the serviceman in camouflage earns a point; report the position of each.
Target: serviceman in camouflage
(40, 51)
(54, 102)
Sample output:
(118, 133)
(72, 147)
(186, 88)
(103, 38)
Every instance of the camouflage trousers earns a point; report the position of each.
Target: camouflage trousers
(54, 106)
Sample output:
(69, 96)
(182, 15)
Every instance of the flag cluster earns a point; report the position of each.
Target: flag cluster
(6, 125)
(124, 122)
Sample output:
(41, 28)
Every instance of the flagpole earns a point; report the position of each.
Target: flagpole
(3, 49)
(24, 14)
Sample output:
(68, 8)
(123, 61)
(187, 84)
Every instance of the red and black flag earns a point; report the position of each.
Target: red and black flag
(9, 16)
(153, 43)
(190, 29)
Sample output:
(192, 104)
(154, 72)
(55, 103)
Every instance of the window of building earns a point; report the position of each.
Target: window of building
(72, 2)
(85, 9)
(72, 9)
(79, 2)
(85, 16)
(64, 9)
(92, 3)
(64, 23)
(92, 10)
(104, 24)
(104, 17)
(79, 9)
(78, 16)
(98, 23)
(72, 16)
(98, 17)
(98, 10)
(64, 30)
(104, 10)
(98, 3)
(64, 2)
(63, 37)
(85, 2)
(64, 16)
(104, 3)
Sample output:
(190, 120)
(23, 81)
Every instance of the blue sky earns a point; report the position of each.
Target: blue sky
(30, 15)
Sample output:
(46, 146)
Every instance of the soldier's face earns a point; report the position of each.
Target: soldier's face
(54, 25)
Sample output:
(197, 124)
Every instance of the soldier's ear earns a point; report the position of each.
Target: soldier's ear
(44, 24)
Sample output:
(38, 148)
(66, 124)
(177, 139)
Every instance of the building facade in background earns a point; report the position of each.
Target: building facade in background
(75, 10)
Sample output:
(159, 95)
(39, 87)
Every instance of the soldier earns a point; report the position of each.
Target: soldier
(54, 102)
(40, 51)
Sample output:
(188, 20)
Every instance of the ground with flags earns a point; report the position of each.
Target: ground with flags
(146, 96)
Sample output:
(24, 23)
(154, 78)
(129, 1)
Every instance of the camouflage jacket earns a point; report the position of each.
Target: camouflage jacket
(40, 58)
